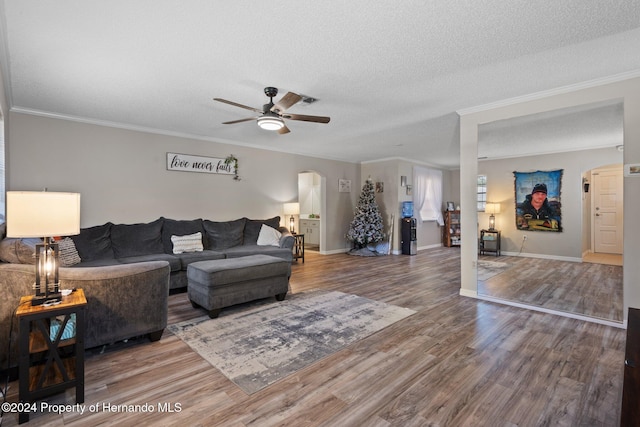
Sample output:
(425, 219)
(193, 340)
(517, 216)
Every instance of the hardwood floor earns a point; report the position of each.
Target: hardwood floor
(585, 288)
(457, 362)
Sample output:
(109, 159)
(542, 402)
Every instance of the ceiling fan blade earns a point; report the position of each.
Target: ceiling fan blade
(284, 129)
(239, 121)
(235, 104)
(302, 117)
(286, 102)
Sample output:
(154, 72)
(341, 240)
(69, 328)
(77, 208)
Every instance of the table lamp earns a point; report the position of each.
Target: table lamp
(44, 214)
(292, 209)
(492, 209)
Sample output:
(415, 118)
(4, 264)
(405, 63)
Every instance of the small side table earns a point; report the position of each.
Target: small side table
(490, 241)
(51, 354)
(298, 247)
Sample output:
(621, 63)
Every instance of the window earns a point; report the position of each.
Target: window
(482, 193)
(427, 194)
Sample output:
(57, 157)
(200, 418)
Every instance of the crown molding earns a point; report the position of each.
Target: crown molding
(404, 159)
(551, 92)
(163, 132)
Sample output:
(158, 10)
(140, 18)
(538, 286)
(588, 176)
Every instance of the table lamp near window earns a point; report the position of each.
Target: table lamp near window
(492, 209)
(292, 209)
(43, 214)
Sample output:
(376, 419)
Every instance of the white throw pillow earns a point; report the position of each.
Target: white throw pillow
(187, 243)
(68, 254)
(269, 236)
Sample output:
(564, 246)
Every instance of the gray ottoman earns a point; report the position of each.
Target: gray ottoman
(220, 283)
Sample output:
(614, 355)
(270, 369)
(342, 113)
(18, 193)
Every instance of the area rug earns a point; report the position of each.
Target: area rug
(488, 269)
(261, 345)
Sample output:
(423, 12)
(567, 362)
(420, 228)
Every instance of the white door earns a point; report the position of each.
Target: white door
(607, 211)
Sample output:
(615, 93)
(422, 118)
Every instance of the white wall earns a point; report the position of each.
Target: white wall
(500, 188)
(428, 233)
(123, 178)
(629, 91)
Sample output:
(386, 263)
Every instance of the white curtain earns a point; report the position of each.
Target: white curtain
(427, 194)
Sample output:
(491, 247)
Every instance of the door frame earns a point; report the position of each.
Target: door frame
(605, 168)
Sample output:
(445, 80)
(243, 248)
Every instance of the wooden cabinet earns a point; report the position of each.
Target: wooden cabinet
(311, 230)
(630, 415)
(451, 232)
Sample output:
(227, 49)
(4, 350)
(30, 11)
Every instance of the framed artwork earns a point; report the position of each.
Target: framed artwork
(537, 196)
(379, 187)
(450, 207)
(632, 170)
(344, 186)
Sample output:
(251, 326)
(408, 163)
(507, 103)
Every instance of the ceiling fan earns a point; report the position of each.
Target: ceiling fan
(272, 115)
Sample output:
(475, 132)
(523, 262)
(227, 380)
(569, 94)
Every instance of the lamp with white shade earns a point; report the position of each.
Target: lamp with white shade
(43, 214)
(292, 209)
(492, 209)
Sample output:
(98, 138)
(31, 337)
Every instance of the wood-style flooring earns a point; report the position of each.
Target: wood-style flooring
(457, 362)
(584, 288)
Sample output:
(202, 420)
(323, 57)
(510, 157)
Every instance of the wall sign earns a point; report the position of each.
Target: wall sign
(189, 163)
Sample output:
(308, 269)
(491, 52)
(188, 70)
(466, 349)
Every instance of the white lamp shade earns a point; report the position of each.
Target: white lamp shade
(42, 214)
(292, 208)
(492, 208)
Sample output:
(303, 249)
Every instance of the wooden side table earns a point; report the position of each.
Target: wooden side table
(490, 242)
(298, 247)
(51, 352)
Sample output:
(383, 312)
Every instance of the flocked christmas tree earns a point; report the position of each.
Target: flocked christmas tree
(366, 227)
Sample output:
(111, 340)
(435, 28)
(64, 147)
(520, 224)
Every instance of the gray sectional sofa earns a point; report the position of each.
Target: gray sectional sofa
(127, 271)
(124, 301)
(113, 244)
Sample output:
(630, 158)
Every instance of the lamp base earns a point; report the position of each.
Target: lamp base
(46, 299)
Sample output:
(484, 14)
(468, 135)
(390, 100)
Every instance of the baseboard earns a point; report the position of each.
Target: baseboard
(621, 325)
(542, 256)
(468, 293)
(335, 251)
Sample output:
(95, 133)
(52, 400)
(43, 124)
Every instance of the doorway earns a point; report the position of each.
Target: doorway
(607, 205)
(311, 196)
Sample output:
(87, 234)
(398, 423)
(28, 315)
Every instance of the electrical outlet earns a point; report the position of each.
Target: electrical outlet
(524, 237)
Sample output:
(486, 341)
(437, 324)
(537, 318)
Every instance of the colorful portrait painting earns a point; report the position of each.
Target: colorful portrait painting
(538, 206)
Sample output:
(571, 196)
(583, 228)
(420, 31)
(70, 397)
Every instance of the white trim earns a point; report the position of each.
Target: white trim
(468, 293)
(543, 256)
(155, 131)
(539, 153)
(552, 92)
(622, 325)
(412, 161)
(335, 251)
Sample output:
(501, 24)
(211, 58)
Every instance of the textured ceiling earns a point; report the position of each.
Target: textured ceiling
(390, 75)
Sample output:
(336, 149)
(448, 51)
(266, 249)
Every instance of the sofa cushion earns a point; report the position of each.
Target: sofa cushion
(173, 260)
(130, 240)
(207, 255)
(19, 251)
(94, 242)
(247, 250)
(253, 226)
(179, 227)
(97, 263)
(223, 235)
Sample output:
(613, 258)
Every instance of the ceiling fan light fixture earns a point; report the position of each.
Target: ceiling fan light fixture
(270, 122)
